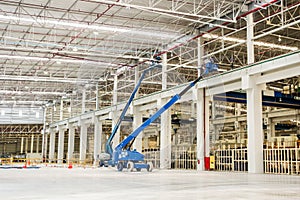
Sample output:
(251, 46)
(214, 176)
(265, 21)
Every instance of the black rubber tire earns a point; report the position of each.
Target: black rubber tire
(150, 167)
(120, 166)
(130, 166)
(101, 164)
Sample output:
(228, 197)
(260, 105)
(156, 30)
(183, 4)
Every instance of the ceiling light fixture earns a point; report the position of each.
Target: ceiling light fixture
(31, 92)
(42, 21)
(96, 28)
(58, 61)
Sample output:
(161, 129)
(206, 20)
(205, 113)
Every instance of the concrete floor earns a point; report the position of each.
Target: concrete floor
(108, 184)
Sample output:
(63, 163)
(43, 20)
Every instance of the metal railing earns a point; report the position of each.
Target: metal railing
(278, 159)
(181, 157)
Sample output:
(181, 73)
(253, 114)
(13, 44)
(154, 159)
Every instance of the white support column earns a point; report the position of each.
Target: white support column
(52, 145)
(270, 126)
(22, 145)
(60, 151)
(97, 96)
(137, 121)
(83, 142)
(200, 129)
(70, 110)
(114, 119)
(61, 110)
(206, 134)
(136, 77)
(250, 41)
(71, 139)
(31, 143)
(114, 115)
(26, 145)
(254, 124)
(164, 72)
(202, 103)
(44, 144)
(83, 100)
(237, 124)
(45, 148)
(200, 52)
(165, 137)
(53, 112)
(146, 142)
(115, 90)
(97, 139)
(37, 144)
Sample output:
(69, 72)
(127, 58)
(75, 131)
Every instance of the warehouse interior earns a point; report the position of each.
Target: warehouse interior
(69, 69)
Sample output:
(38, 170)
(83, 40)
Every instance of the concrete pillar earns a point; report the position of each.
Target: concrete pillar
(61, 110)
(83, 100)
(116, 139)
(114, 115)
(60, 150)
(237, 124)
(270, 126)
(115, 90)
(146, 142)
(250, 42)
(97, 139)
(83, 142)
(22, 145)
(45, 143)
(164, 72)
(206, 128)
(200, 128)
(71, 139)
(254, 124)
(137, 118)
(97, 96)
(70, 108)
(53, 112)
(202, 107)
(52, 145)
(37, 144)
(165, 137)
(137, 121)
(213, 110)
(31, 143)
(26, 145)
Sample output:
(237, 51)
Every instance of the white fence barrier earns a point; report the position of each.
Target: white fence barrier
(278, 159)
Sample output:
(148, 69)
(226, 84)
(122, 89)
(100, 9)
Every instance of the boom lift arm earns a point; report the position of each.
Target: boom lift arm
(108, 146)
(133, 159)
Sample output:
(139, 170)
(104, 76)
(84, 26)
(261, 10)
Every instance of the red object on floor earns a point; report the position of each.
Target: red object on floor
(70, 166)
(207, 163)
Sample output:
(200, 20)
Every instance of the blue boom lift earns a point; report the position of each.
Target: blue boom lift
(106, 158)
(122, 155)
